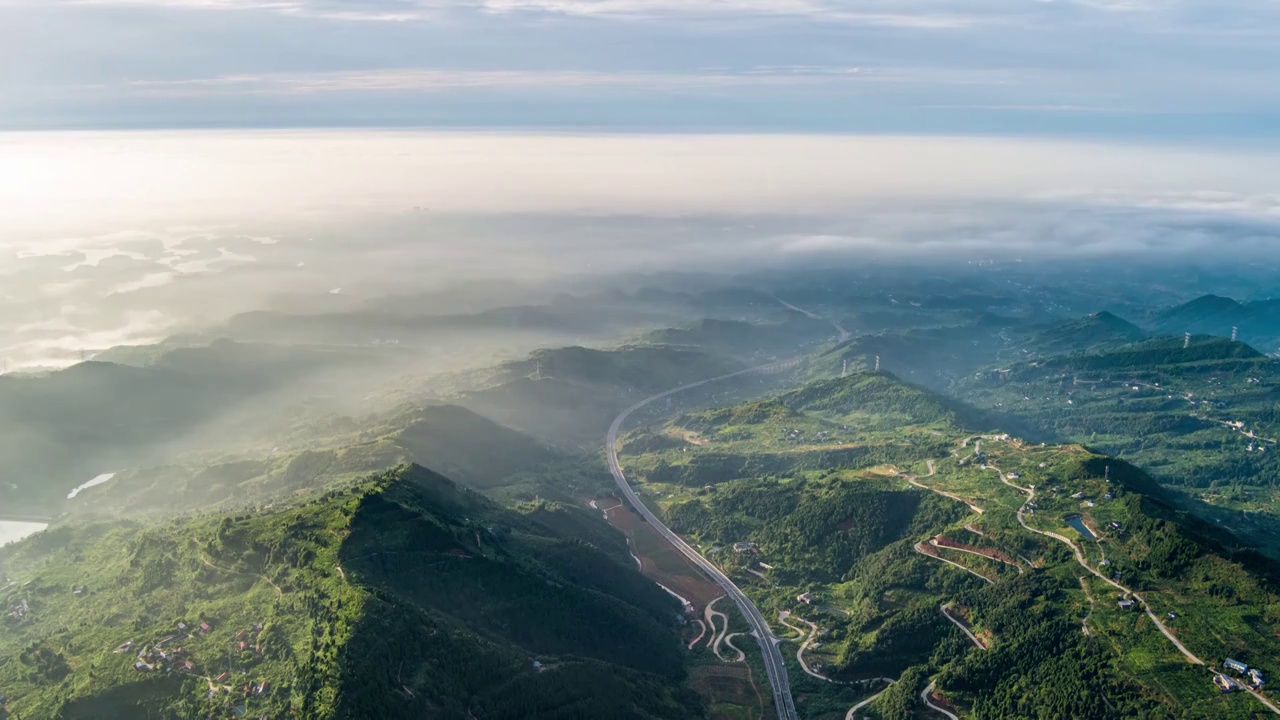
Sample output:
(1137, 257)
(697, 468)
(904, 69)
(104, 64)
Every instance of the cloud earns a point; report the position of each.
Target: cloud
(229, 176)
(886, 65)
(866, 12)
(908, 14)
(410, 80)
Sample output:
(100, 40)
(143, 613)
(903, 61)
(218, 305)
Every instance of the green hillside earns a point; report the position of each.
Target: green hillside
(931, 356)
(403, 596)
(1203, 418)
(917, 519)
(567, 396)
(1100, 330)
(1258, 322)
(468, 448)
(471, 449)
(61, 429)
(737, 338)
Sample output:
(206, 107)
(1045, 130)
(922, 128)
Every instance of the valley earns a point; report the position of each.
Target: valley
(776, 529)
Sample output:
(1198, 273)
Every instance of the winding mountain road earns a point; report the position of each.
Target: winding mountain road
(843, 334)
(963, 628)
(806, 639)
(1084, 563)
(939, 558)
(774, 665)
(853, 711)
(925, 697)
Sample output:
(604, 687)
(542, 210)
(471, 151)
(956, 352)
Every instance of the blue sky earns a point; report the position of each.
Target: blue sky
(1155, 68)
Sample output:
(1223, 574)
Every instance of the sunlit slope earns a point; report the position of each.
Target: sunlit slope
(886, 503)
(402, 596)
(1204, 418)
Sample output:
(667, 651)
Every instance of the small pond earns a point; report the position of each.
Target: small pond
(1077, 522)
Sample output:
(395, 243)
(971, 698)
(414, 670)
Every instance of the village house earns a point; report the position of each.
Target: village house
(1235, 665)
(806, 598)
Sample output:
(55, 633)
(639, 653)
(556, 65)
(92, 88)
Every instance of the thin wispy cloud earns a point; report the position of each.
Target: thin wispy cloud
(869, 12)
(437, 81)
(914, 14)
(1098, 67)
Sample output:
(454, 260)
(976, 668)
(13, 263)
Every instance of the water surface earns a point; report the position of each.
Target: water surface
(13, 531)
(1077, 522)
(100, 479)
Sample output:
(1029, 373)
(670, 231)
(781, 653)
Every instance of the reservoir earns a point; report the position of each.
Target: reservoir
(1077, 522)
(11, 531)
(104, 477)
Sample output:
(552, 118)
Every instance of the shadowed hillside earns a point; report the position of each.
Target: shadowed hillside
(402, 596)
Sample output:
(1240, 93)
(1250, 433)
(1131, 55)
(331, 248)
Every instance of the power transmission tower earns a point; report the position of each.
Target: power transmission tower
(1235, 334)
(844, 370)
(537, 375)
(1186, 343)
(877, 363)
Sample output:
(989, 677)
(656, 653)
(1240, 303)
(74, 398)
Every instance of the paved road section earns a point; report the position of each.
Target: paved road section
(1084, 563)
(925, 697)
(774, 665)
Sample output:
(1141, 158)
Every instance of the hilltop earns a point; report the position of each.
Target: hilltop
(401, 596)
(1100, 330)
(117, 416)
(1258, 322)
(470, 449)
(738, 338)
(565, 396)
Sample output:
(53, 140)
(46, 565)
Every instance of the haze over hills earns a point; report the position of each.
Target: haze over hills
(1257, 322)
(253, 461)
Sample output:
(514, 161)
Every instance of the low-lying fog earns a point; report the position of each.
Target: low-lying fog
(113, 239)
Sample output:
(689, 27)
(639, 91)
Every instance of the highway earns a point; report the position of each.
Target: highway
(842, 334)
(774, 665)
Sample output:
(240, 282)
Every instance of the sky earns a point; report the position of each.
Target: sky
(1116, 68)
(167, 163)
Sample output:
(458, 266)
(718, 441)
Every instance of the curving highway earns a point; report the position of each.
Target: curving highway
(774, 665)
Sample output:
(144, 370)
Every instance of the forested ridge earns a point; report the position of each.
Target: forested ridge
(401, 596)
